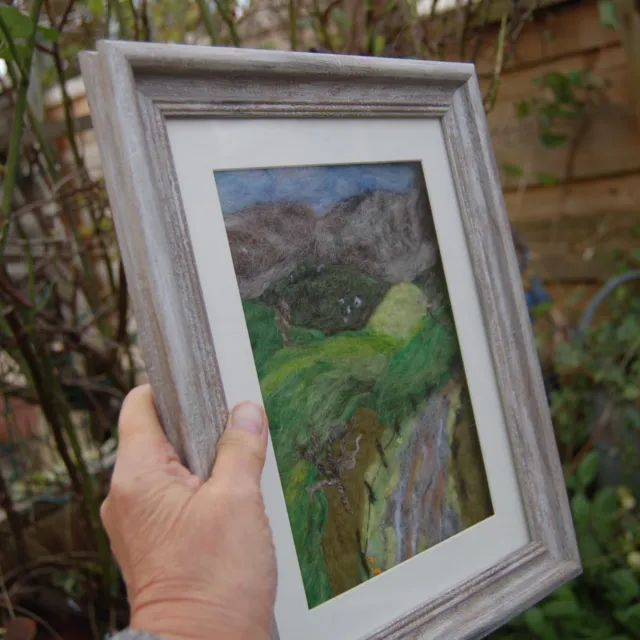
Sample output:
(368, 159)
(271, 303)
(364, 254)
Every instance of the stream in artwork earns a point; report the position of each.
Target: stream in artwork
(359, 364)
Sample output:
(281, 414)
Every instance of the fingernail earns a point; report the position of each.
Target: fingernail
(247, 416)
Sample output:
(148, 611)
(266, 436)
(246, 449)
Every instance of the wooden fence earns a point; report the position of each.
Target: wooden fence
(588, 202)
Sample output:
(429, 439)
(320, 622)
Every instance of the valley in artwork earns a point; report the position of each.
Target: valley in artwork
(359, 364)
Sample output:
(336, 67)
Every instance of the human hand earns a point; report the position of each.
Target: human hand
(197, 558)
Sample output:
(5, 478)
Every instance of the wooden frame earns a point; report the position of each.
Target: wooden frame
(134, 88)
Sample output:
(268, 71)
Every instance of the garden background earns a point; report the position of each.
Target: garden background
(561, 81)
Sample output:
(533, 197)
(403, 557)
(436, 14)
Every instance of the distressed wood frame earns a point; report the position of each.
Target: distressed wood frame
(133, 88)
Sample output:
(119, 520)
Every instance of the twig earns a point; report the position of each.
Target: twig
(55, 409)
(476, 50)
(492, 93)
(14, 522)
(123, 29)
(577, 139)
(54, 561)
(208, 21)
(602, 424)
(36, 129)
(136, 28)
(5, 594)
(354, 21)
(146, 23)
(323, 17)
(83, 383)
(293, 26)
(123, 305)
(412, 22)
(229, 20)
(65, 15)
(48, 406)
(93, 290)
(516, 28)
(464, 28)
(15, 143)
(91, 614)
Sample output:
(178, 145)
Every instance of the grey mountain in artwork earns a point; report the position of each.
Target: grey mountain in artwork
(267, 242)
(384, 234)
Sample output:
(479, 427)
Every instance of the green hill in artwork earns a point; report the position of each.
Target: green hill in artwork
(328, 298)
(342, 407)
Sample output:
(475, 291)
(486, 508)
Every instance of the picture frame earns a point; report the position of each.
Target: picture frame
(180, 128)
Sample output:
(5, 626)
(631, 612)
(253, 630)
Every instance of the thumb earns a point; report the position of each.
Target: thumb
(140, 436)
(242, 448)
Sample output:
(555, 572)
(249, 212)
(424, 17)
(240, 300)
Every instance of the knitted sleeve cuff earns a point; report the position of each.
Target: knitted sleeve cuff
(134, 634)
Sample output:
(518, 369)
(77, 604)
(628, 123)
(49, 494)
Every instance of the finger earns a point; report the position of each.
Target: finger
(242, 448)
(140, 435)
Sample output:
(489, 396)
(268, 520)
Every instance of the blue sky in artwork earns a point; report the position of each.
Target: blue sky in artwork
(320, 187)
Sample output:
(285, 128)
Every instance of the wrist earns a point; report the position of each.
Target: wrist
(181, 620)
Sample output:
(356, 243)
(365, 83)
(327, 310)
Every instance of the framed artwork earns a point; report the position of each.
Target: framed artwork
(326, 235)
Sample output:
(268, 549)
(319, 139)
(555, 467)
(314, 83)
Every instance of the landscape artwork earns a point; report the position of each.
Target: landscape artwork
(361, 374)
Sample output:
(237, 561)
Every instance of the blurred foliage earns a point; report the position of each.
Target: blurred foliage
(595, 405)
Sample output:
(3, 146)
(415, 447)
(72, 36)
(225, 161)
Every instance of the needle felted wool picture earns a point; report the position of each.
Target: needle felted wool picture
(356, 350)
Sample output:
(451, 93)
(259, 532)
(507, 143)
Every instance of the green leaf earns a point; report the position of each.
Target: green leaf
(105, 224)
(547, 179)
(631, 392)
(588, 468)
(623, 587)
(561, 87)
(565, 592)
(21, 50)
(604, 509)
(590, 550)
(512, 170)
(534, 619)
(632, 419)
(96, 7)
(379, 43)
(561, 609)
(630, 617)
(607, 13)
(50, 34)
(523, 109)
(550, 139)
(19, 24)
(554, 110)
(578, 78)
(580, 508)
(542, 308)
(605, 503)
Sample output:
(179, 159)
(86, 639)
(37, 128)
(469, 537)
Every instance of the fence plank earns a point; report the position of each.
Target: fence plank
(629, 13)
(563, 31)
(580, 248)
(618, 195)
(605, 142)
